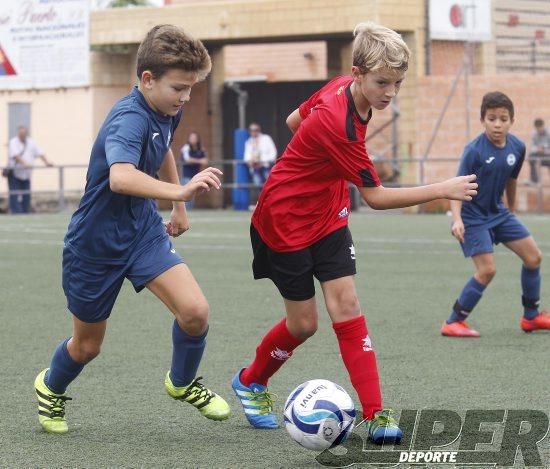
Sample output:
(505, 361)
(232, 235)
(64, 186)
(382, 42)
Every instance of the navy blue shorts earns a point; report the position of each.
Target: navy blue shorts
(91, 289)
(480, 240)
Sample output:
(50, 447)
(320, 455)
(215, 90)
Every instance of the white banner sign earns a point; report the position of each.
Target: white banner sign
(460, 20)
(44, 43)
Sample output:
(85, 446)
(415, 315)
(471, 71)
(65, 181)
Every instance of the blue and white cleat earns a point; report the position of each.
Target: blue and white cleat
(257, 403)
(383, 429)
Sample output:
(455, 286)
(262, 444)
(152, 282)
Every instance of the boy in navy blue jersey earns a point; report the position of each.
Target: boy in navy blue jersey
(116, 233)
(496, 157)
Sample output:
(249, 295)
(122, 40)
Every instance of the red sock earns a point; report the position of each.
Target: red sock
(360, 361)
(275, 348)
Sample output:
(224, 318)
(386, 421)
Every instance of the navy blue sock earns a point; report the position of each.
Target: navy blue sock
(186, 355)
(63, 369)
(470, 295)
(530, 286)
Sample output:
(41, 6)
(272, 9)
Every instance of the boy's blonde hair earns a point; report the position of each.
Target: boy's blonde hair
(376, 47)
(167, 47)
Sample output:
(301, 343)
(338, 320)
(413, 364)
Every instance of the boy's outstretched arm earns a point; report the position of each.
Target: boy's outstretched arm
(457, 188)
(125, 178)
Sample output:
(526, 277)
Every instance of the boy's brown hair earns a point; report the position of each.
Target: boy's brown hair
(167, 47)
(494, 100)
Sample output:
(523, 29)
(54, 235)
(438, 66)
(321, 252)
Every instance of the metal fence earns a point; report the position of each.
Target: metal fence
(408, 170)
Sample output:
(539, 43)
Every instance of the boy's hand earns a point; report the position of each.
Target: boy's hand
(460, 188)
(201, 182)
(178, 224)
(457, 230)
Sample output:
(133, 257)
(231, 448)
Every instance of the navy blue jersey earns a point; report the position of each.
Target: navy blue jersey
(493, 167)
(107, 227)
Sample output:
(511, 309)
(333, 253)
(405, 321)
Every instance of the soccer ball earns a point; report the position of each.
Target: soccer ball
(319, 414)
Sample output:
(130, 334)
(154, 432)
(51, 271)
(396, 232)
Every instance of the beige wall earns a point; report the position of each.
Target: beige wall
(64, 124)
(104, 97)
(61, 124)
(240, 20)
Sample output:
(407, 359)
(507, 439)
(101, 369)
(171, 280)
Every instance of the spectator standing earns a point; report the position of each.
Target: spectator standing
(540, 149)
(194, 159)
(260, 154)
(22, 152)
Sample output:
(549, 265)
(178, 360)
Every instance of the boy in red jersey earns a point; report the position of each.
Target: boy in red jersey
(299, 228)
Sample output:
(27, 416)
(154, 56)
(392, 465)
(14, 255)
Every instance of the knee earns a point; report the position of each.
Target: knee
(84, 351)
(534, 260)
(486, 274)
(194, 320)
(347, 308)
(302, 328)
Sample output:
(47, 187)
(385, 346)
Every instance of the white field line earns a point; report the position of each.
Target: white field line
(243, 248)
(244, 237)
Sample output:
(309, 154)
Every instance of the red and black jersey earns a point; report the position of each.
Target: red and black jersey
(306, 196)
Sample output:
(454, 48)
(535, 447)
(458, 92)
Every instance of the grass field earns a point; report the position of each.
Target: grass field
(410, 273)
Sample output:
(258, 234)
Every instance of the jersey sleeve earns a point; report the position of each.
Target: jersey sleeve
(329, 88)
(519, 164)
(125, 139)
(349, 157)
(306, 107)
(468, 162)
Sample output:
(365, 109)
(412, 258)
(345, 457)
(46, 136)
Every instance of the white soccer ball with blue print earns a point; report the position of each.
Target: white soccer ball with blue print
(319, 414)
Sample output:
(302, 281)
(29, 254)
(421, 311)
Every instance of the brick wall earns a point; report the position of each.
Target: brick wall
(530, 102)
(291, 61)
(446, 57)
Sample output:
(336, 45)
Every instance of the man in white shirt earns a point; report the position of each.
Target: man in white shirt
(260, 154)
(22, 152)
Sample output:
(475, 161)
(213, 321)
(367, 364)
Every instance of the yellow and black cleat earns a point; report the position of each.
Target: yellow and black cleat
(51, 406)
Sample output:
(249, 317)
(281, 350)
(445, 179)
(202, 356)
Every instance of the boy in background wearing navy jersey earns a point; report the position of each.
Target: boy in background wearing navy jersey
(496, 157)
(117, 233)
(299, 228)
